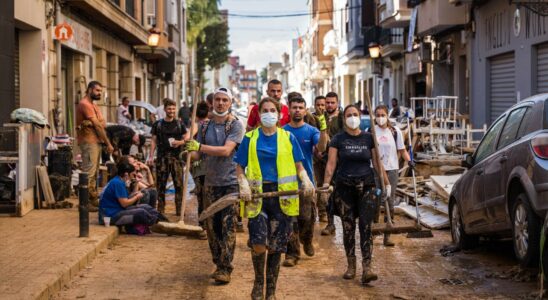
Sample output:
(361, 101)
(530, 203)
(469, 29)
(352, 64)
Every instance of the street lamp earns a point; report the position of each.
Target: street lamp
(374, 50)
(153, 39)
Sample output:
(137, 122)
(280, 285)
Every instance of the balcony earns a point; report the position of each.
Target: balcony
(110, 16)
(394, 13)
(174, 38)
(391, 42)
(436, 16)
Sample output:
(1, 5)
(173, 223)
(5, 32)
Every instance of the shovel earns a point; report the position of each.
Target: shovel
(234, 198)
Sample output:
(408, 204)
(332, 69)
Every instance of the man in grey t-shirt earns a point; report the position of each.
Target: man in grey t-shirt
(217, 141)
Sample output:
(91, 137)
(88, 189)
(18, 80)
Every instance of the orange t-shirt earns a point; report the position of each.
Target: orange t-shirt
(87, 110)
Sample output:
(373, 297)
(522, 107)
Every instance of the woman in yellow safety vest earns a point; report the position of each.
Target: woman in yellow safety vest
(354, 197)
(271, 158)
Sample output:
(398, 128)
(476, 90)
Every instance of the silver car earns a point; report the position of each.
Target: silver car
(505, 190)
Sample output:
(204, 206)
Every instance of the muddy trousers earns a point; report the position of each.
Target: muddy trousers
(221, 230)
(302, 232)
(199, 191)
(356, 202)
(321, 198)
(91, 155)
(272, 271)
(165, 166)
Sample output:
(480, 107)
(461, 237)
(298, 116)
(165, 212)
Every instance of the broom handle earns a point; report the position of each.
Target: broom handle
(413, 172)
(378, 157)
(188, 156)
(320, 190)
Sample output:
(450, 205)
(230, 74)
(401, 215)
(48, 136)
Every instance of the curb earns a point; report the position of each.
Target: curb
(64, 277)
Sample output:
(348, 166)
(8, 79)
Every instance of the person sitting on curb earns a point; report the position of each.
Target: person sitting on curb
(123, 209)
(143, 182)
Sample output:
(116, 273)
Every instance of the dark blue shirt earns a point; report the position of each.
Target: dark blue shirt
(267, 150)
(109, 206)
(308, 136)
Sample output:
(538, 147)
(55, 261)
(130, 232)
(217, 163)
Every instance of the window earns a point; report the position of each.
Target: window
(487, 146)
(526, 126)
(130, 7)
(510, 130)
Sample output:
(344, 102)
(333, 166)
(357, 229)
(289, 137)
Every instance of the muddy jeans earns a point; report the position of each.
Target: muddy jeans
(272, 226)
(221, 230)
(303, 232)
(356, 202)
(91, 154)
(321, 198)
(393, 179)
(199, 191)
(167, 165)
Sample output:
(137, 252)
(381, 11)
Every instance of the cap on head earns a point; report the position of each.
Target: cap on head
(224, 91)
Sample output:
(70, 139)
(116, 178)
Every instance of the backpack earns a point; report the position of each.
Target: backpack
(205, 126)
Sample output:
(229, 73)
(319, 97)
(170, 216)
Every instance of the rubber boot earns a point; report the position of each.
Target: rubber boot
(258, 285)
(330, 228)
(272, 271)
(387, 242)
(367, 275)
(351, 269)
(178, 208)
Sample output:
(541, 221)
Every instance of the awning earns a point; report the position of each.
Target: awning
(144, 105)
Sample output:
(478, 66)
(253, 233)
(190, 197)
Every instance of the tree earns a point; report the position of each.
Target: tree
(212, 48)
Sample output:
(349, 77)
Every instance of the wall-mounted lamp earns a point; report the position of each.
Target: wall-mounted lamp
(374, 50)
(153, 39)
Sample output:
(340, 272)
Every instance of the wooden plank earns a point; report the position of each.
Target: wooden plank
(444, 184)
(45, 185)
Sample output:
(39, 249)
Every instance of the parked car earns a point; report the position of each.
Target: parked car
(504, 192)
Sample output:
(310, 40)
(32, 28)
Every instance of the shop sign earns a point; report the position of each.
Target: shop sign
(73, 35)
(413, 63)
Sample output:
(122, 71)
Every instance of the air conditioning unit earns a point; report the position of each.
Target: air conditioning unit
(172, 12)
(425, 52)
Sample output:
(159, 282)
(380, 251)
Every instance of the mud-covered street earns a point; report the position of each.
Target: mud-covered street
(161, 267)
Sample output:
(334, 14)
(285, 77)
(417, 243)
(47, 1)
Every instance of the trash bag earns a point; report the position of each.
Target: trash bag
(27, 115)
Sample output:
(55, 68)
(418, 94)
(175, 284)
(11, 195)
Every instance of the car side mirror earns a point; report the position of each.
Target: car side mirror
(468, 161)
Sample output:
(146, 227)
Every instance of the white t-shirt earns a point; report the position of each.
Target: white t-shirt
(388, 147)
(121, 113)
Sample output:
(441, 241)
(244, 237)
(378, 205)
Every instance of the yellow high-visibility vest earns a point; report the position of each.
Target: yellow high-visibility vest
(287, 175)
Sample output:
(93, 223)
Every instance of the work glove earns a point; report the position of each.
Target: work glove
(306, 184)
(245, 190)
(322, 123)
(411, 164)
(192, 145)
(388, 190)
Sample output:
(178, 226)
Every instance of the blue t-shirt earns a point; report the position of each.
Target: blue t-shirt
(308, 136)
(109, 206)
(267, 150)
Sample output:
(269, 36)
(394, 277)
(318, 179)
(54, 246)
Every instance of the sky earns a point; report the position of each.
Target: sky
(259, 41)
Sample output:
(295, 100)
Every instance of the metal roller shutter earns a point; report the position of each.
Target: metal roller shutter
(16, 65)
(501, 84)
(542, 68)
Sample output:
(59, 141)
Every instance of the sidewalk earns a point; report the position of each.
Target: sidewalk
(41, 252)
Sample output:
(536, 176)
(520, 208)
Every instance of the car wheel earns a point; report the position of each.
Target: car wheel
(525, 232)
(459, 236)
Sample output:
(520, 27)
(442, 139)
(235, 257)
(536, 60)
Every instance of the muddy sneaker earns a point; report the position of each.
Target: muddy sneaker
(308, 249)
(387, 242)
(222, 277)
(368, 276)
(329, 229)
(215, 273)
(290, 262)
(240, 227)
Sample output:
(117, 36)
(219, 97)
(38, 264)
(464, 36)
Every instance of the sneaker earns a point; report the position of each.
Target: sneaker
(215, 273)
(329, 230)
(222, 277)
(290, 262)
(239, 227)
(308, 249)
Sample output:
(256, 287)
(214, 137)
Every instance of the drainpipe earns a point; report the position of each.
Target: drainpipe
(58, 83)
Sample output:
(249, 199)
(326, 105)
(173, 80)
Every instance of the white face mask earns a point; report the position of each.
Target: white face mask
(353, 122)
(381, 121)
(269, 119)
(218, 114)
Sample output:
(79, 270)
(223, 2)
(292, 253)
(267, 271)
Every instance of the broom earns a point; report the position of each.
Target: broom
(180, 228)
(421, 232)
